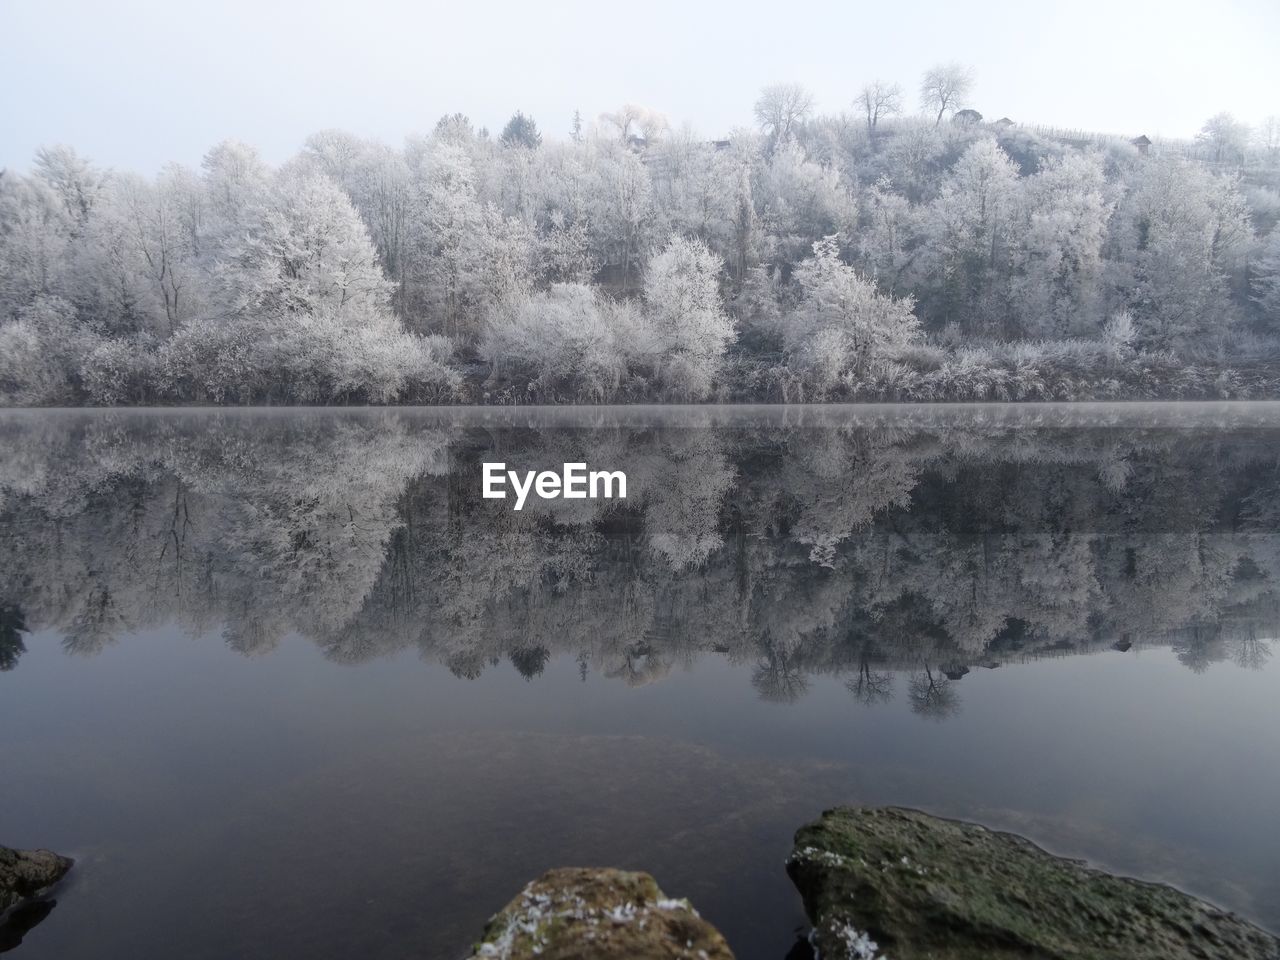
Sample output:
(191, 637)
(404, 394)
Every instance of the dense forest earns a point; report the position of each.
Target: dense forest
(866, 255)
(900, 552)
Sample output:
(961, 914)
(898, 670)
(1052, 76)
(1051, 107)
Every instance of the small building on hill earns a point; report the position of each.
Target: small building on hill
(1004, 122)
(1142, 142)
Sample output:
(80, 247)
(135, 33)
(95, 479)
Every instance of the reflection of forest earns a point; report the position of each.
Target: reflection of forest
(860, 550)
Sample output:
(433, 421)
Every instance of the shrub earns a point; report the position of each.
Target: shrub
(570, 340)
(41, 353)
(120, 371)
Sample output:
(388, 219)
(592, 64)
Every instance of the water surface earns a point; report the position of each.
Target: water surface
(287, 686)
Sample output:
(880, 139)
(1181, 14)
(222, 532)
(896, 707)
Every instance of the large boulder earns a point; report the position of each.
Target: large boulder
(890, 882)
(24, 873)
(574, 913)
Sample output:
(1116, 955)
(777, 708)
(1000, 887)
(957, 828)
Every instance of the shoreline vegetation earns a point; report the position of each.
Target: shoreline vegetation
(862, 256)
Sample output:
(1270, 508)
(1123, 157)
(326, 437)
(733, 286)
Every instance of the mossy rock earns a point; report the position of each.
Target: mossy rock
(574, 913)
(891, 882)
(24, 873)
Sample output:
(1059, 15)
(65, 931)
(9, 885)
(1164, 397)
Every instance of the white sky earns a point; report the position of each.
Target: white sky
(136, 83)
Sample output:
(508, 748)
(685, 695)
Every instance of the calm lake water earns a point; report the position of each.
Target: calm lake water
(288, 687)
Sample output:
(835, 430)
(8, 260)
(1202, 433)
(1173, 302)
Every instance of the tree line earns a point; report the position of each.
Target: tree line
(861, 255)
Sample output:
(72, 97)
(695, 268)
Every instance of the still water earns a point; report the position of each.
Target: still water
(287, 686)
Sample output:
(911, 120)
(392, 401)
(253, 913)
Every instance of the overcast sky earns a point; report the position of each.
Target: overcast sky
(136, 84)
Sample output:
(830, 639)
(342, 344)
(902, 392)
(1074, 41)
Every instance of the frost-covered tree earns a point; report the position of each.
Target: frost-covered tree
(690, 328)
(564, 250)
(970, 227)
(841, 321)
(448, 217)
(781, 108)
(153, 272)
(239, 282)
(1226, 137)
(235, 178)
(1182, 232)
(1266, 281)
(455, 127)
(74, 179)
(945, 89)
(693, 190)
(377, 181)
(620, 211)
(800, 201)
(878, 100)
(1058, 287)
(632, 120)
(1267, 138)
(305, 309)
(744, 224)
(570, 341)
(308, 252)
(888, 235)
(41, 350)
(469, 255)
(915, 159)
(35, 238)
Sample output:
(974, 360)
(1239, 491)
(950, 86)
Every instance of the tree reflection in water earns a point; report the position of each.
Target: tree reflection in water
(862, 543)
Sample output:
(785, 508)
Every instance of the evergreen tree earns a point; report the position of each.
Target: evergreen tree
(521, 131)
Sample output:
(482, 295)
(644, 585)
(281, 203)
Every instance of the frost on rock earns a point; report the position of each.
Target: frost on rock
(849, 944)
(681, 904)
(624, 913)
(813, 854)
(603, 914)
(857, 945)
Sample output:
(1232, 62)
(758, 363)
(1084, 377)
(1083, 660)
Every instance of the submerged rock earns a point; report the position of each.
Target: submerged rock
(24, 873)
(574, 913)
(891, 882)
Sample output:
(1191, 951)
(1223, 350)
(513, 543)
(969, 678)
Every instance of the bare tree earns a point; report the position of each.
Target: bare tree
(1267, 136)
(622, 119)
(945, 87)
(1226, 136)
(634, 120)
(878, 100)
(782, 107)
(870, 686)
(932, 695)
(1251, 652)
